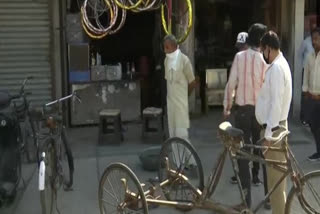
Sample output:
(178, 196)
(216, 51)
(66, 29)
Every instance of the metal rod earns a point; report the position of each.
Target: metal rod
(256, 158)
(272, 148)
(171, 203)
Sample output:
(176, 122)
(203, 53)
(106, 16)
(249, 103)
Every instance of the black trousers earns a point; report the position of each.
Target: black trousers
(314, 120)
(245, 120)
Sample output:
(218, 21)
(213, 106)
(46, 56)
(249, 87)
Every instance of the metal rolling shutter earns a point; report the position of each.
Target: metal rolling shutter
(25, 47)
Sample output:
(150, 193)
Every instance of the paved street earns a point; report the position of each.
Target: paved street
(91, 160)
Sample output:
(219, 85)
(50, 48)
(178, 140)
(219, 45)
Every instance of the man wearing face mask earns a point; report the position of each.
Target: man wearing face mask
(272, 111)
(180, 83)
(245, 81)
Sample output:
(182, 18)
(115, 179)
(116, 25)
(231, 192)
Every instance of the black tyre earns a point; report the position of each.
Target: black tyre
(310, 196)
(30, 141)
(182, 158)
(66, 160)
(112, 191)
(47, 195)
(19, 169)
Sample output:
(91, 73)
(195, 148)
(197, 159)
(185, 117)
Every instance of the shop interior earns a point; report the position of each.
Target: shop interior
(135, 52)
(217, 24)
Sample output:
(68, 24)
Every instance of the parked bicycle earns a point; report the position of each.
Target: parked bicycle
(17, 137)
(27, 128)
(56, 165)
(182, 181)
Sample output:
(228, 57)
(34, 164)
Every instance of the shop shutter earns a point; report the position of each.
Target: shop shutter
(25, 47)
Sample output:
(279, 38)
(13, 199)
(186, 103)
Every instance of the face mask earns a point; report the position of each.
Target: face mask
(170, 55)
(173, 54)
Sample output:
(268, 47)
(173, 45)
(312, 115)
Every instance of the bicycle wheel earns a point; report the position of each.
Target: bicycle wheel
(113, 195)
(66, 160)
(48, 193)
(93, 12)
(30, 141)
(308, 200)
(182, 158)
(182, 14)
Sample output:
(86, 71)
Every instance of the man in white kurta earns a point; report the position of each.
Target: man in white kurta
(179, 76)
(180, 83)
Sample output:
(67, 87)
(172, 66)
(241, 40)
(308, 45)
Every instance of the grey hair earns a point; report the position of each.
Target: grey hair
(171, 38)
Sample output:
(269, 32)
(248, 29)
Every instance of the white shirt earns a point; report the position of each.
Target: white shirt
(246, 78)
(274, 98)
(177, 91)
(311, 78)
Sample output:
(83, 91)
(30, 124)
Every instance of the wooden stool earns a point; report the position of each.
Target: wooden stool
(152, 114)
(110, 129)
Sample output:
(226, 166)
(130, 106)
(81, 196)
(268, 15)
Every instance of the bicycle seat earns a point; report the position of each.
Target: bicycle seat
(227, 129)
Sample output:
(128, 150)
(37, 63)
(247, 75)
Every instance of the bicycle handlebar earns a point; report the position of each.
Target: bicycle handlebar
(24, 83)
(22, 93)
(64, 98)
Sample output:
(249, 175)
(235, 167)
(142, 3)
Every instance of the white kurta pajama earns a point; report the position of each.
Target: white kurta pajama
(178, 73)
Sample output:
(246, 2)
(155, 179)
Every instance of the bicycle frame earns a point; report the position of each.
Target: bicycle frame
(202, 198)
(56, 130)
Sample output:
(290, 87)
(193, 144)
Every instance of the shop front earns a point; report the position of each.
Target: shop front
(125, 70)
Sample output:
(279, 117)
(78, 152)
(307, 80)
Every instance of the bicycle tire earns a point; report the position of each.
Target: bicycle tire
(30, 141)
(145, 6)
(131, 6)
(190, 152)
(113, 10)
(19, 169)
(189, 26)
(217, 172)
(118, 24)
(47, 195)
(69, 169)
(293, 205)
(133, 185)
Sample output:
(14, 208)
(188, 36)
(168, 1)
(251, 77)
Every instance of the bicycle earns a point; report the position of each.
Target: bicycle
(56, 165)
(18, 123)
(27, 126)
(121, 191)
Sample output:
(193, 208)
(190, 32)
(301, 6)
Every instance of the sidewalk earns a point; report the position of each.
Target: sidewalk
(91, 160)
(203, 131)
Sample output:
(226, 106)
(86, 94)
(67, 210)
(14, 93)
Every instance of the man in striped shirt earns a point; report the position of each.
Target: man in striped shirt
(246, 78)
